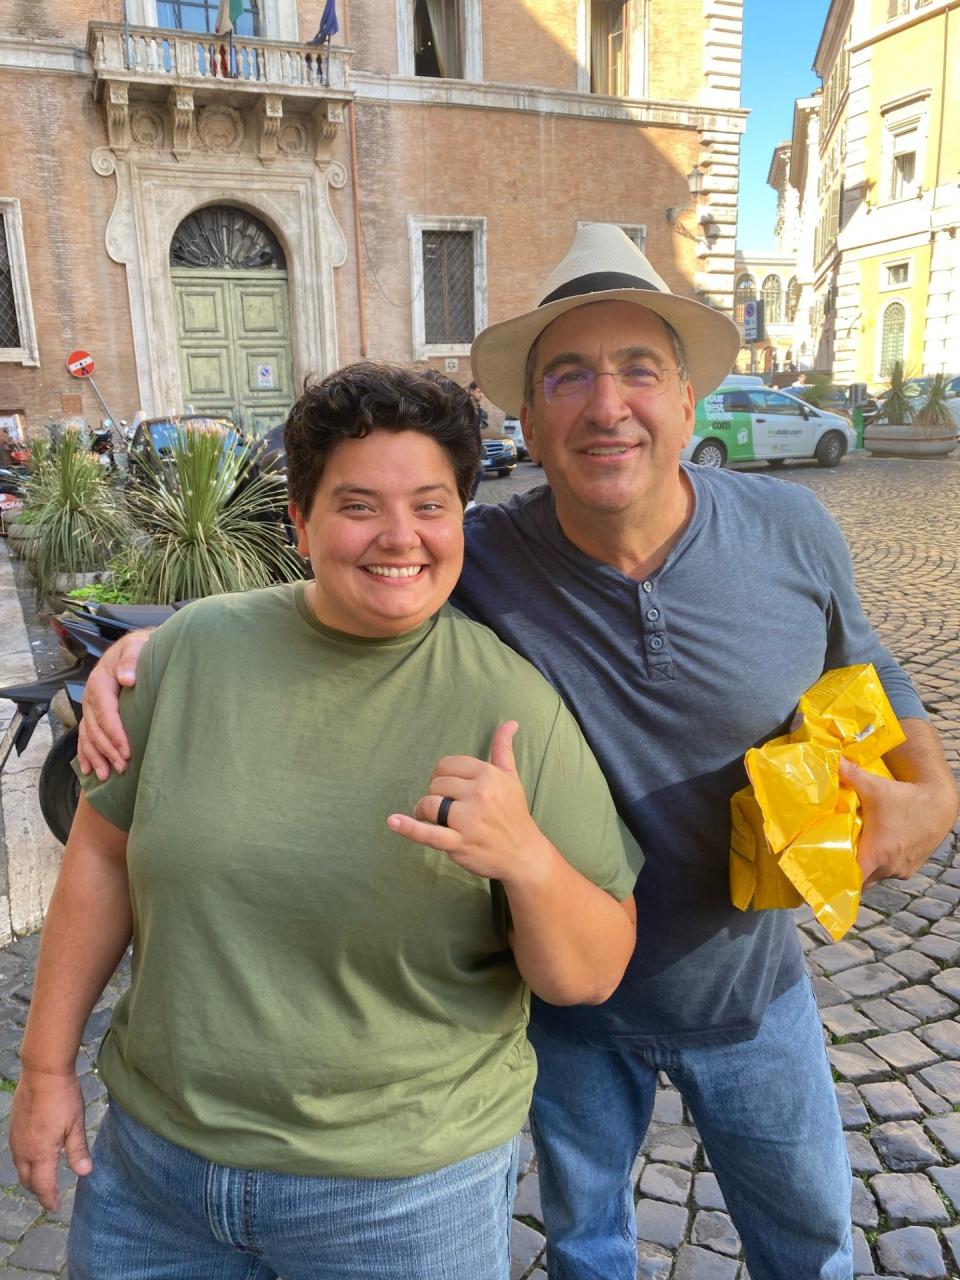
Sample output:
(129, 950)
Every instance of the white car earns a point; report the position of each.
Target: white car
(746, 423)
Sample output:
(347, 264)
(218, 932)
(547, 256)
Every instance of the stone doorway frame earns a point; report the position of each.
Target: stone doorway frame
(155, 193)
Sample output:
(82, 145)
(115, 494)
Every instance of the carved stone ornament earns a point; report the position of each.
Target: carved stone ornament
(292, 139)
(220, 128)
(146, 128)
(180, 109)
(336, 175)
(326, 120)
(270, 118)
(118, 115)
(104, 161)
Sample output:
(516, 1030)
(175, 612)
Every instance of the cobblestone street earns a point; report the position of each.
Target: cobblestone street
(888, 993)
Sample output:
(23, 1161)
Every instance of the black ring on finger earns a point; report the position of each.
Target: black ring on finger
(442, 812)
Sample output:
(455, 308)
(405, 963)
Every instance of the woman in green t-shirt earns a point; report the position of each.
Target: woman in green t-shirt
(320, 1068)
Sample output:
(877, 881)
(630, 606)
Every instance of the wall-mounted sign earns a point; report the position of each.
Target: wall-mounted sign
(80, 364)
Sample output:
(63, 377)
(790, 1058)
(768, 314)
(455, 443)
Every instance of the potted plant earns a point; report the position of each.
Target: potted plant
(902, 430)
(21, 530)
(213, 525)
(77, 523)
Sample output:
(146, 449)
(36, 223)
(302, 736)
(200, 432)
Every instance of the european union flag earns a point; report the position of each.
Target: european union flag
(329, 26)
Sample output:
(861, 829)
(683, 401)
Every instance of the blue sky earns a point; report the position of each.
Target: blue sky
(779, 42)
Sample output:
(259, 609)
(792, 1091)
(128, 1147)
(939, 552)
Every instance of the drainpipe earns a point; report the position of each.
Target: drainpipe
(355, 175)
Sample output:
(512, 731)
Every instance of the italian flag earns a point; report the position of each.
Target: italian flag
(230, 11)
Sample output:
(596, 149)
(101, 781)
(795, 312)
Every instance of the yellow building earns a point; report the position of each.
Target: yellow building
(886, 269)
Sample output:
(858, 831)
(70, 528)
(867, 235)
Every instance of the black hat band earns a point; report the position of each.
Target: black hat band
(598, 282)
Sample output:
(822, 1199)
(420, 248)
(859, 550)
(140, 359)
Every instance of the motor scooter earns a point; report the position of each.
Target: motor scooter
(85, 633)
(102, 444)
(13, 494)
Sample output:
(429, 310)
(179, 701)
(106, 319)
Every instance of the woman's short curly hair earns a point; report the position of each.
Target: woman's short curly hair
(365, 397)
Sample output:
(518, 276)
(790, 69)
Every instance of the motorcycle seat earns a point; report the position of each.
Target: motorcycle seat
(135, 615)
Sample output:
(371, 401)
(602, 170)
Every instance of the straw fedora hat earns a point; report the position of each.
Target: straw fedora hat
(603, 265)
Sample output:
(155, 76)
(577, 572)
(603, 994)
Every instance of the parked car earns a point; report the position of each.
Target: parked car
(511, 427)
(743, 424)
(499, 455)
(156, 438)
(835, 400)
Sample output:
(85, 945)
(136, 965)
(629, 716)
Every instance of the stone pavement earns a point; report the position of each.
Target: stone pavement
(888, 993)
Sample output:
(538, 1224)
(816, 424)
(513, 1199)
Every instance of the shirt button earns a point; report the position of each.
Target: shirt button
(656, 642)
(648, 586)
(653, 615)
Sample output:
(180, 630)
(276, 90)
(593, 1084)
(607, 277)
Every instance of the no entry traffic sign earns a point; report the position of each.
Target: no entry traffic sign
(80, 364)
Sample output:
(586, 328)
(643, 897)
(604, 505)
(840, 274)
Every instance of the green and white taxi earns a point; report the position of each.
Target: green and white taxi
(744, 421)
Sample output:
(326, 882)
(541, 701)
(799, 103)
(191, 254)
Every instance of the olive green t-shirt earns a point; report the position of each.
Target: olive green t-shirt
(312, 993)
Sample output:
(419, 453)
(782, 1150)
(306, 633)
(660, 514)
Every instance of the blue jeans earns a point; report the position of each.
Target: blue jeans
(766, 1111)
(151, 1210)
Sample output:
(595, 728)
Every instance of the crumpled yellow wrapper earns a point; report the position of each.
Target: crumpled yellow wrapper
(794, 830)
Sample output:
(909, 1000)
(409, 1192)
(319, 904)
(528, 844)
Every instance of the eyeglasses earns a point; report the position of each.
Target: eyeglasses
(645, 380)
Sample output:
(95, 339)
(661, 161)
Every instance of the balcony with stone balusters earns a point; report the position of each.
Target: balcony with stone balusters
(169, 88)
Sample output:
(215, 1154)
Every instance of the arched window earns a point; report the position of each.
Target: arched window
(772, 292)
(745, 291)
(891, 343)
(793, 299)
(224, 236)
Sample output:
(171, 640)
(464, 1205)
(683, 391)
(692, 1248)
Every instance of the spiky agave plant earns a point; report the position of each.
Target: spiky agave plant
(935, 412)
(896, 408)
(42, 479)
(78, 524)
(210, 527)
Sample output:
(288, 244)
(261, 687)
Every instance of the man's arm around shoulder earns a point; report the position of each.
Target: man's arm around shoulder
(102, 742)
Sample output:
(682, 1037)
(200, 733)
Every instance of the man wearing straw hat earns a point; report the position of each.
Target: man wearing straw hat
(680, 612)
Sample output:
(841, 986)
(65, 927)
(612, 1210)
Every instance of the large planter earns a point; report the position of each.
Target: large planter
(909, 442)
(19, 537)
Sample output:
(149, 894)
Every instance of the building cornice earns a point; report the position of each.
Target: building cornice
(745, 258)
(779, 165)
(903, 24)
(369, 86)
(35, 55)
(42, 55)
(832, 37)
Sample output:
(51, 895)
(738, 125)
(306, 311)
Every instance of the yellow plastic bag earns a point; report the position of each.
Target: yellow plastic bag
(794, 830)
(755, 874)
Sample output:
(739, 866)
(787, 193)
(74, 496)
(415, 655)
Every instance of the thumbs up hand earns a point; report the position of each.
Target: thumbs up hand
(488, 829)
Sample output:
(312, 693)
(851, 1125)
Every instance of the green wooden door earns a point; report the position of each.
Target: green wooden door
(233, 339)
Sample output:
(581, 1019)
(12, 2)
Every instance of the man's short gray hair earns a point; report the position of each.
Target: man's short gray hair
(679, 354)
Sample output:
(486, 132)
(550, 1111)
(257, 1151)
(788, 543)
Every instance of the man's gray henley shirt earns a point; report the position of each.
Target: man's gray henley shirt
(672, 678)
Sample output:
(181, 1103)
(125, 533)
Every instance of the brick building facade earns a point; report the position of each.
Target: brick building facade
(213, 238)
